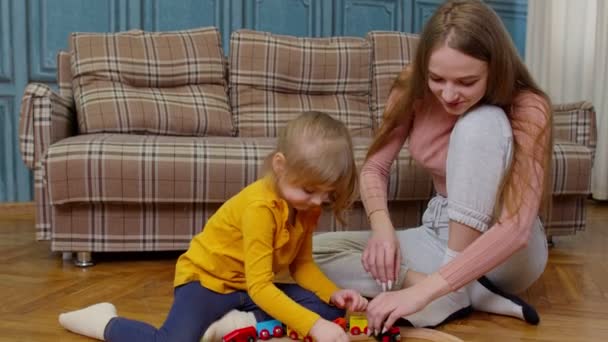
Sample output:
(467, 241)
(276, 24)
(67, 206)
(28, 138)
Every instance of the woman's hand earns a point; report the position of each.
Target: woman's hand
(326, 331)
(382, 256)
(387, 307)
(349, 299)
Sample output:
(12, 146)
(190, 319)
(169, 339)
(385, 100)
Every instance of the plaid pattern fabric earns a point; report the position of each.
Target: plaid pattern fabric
(572, 165)
(45, 119)
(273, 78)
(157, 169)
(64, 75)
(170, 83)
(568, 215)
(575, 122)
(115, 227)
(153, 192)
(392, 51)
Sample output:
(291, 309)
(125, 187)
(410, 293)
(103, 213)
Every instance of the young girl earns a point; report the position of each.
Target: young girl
(264, 230)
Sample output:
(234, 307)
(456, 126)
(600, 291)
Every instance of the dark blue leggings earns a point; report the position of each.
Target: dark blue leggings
(195, 308)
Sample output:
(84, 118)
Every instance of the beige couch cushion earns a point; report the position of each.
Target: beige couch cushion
(151, 82)
(392, 51)
(120, 168)
(273, 78)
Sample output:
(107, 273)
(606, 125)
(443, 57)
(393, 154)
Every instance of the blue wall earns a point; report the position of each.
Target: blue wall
(32, 31)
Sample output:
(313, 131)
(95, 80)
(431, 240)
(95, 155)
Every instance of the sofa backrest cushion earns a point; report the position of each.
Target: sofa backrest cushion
(64, 74)
(151, 82)
(392, 51)
(272, 78)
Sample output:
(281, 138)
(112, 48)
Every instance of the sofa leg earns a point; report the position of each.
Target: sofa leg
(550, 242)
(83, 259)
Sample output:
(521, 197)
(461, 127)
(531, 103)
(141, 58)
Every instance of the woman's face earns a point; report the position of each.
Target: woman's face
(457, 80)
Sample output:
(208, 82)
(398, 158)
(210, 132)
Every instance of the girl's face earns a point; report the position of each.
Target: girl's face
(458, 81)
(303, 198)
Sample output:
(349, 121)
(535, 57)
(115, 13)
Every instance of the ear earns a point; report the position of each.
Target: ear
(279, 164)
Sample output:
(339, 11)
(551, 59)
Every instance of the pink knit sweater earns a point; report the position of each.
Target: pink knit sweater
(429, 134)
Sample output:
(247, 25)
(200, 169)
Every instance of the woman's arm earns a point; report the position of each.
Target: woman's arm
(382, 256)
(375, 172)
(511, 232)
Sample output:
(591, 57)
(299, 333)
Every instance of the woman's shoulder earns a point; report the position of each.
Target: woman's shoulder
(530, 106)
(526, 99)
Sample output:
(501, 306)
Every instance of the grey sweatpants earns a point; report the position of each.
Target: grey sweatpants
(480, 150)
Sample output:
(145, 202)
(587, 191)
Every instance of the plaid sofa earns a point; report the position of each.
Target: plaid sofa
(150, 133)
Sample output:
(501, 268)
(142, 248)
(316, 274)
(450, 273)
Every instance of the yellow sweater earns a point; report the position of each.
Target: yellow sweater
(249, 240)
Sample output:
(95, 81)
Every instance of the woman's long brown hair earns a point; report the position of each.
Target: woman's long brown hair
(474, 29)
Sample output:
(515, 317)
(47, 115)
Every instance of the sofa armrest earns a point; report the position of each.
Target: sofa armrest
(45, 118)
(575, 122)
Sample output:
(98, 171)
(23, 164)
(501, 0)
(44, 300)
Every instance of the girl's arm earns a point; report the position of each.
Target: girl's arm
(258, 228)
(306, 272)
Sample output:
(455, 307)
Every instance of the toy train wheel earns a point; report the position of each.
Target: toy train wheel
(365, 331)
(355, 331)
(264, 335)
(277, 331)
(293, 335)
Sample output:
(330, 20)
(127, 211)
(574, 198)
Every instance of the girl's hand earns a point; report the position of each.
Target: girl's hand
(326, 331)
(387, 307)
(382, 256)
(349, 299)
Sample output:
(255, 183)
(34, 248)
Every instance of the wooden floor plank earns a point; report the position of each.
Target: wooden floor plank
(36, 285)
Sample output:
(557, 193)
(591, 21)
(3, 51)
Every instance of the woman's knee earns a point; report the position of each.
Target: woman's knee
(481, 126)
(479, 154)
(339, 241)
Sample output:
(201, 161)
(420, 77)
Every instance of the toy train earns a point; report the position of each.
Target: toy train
(268, 329)
(263, 330)
(357, 325)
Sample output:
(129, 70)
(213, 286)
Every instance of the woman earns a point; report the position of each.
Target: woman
(477, 121)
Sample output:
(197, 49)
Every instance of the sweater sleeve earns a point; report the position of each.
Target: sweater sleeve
(258, 229)
(512, 231)
(376, 170)
(307, 274)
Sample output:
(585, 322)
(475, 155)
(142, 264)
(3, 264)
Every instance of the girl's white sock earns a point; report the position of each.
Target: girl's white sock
(90, 321)
(231, 321)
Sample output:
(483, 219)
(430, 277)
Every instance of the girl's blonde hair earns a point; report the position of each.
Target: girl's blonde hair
(474, 29)
(318, 151)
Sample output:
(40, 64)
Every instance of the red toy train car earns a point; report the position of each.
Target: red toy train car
(247, 334)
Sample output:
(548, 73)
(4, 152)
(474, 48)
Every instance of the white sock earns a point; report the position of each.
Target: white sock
(485, 296)
(90, 321)
(443, 309)
(231, 321)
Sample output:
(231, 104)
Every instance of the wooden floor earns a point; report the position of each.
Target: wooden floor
(36, 285)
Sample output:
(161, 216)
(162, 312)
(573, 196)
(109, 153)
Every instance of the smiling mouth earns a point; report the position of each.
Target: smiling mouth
(453, 104)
